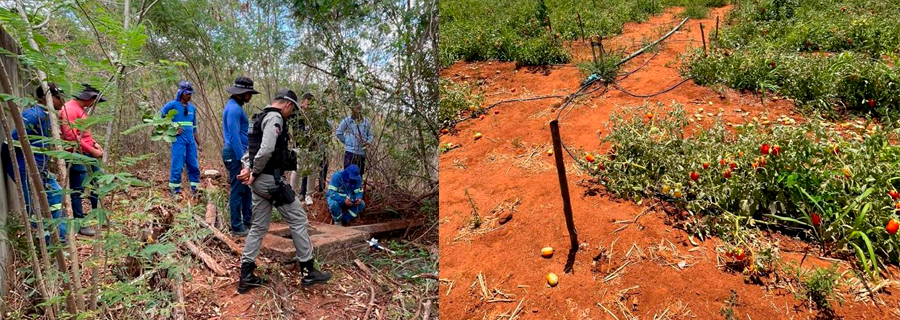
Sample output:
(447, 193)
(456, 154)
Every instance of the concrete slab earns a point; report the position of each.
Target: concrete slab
(325, 238)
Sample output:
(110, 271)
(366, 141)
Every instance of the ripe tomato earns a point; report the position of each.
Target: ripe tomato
(445, 131)
(892, 226)
(764, 148)
(705, 165)
(649, 116)
(732, 165)
(776, 150)
(695, 176)
(739, 254)
(894, 194)
(846, 171)
(727, 174)
(589, 157)
(816, 219)
(871, 103)
(722, 161)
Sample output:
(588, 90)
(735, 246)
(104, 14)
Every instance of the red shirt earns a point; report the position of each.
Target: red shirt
(70, 112)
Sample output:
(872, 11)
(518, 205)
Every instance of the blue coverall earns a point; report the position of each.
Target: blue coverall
(37, 125)
(340, 189)
(184, 149)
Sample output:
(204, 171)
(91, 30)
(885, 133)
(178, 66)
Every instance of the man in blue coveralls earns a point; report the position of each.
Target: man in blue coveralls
(184, 149)
(37, 128)
(345, 195)
(234, 127)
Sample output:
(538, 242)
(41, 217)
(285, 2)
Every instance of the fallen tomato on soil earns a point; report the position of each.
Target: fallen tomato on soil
(589, 158)
(552, 279)
(547, 252)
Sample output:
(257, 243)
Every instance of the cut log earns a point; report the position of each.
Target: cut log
(222, 237)
(211, 213)
(209, 261)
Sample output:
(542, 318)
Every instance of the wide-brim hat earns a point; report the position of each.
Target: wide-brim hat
(242, 85)
(89, 92)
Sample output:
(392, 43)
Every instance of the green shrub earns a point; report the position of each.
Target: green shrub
(844, 178)
(818, 287)
(455, 99)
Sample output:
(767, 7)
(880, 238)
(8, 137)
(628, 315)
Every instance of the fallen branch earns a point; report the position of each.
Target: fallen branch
(639, 52)
(371, 301)
(222, 237)
(209, 261)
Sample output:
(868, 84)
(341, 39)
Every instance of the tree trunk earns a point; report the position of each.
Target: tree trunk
(40, 263)
(74, 300)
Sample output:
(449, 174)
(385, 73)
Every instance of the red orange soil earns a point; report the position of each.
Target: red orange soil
(509, 163)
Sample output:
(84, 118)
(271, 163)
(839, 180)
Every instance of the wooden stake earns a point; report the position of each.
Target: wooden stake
(580, 25)
(564, 189)
(717, 28)
(222, 237)
(703, 37)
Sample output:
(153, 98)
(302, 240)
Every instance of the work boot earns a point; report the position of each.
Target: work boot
(313, 276)
(242, 233)
(309, 200)
(248, 280)
(87, 231)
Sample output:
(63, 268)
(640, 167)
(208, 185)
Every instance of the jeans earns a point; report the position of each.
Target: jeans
(323, 176)
(357, 159)
(54, 198)
(239, 199)
(78, 177)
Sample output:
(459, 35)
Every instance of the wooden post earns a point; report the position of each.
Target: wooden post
(703, 37)
(600, 44)
(580, 25)
(594, 40)
(564, 188)
(717, 28)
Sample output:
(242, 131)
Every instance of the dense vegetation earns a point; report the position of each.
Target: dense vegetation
(837, 185)
(827, 55)
(531, 32)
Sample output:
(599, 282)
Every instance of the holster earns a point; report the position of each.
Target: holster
(281, 194)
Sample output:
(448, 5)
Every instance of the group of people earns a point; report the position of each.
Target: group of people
(38, 129)
(256, 154)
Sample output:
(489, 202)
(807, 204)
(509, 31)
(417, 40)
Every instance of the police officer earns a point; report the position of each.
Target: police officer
(264, 164)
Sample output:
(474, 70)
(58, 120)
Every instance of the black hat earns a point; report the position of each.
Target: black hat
(89, 92)
(242, 85)
(54, 91)
(287, 95)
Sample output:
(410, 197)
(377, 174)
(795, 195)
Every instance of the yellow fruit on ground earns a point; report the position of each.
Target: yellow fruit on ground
(550, 152)
(547, 252)
(477, 135)
(552, 279)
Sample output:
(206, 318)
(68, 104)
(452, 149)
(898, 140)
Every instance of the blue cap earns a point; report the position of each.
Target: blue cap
(352, 173)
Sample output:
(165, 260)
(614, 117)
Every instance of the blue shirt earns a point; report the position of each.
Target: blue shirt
(187, 120)
(37, 123)
(352, 134)
(234, 127)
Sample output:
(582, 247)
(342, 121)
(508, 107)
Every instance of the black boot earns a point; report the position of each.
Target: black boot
(248, 280)
(313, 276)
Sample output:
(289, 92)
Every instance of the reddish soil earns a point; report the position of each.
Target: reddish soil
(510, 163)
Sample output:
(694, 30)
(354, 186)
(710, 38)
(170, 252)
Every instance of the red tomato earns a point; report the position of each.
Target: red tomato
(894, 194)
(589, 158)
(816, 219)
(764, 148)
(871, 103)
(705, 165)
(727, 174)
(695, 176)
(722, 161)
(776, 150)
(892, 226)
(732, 165)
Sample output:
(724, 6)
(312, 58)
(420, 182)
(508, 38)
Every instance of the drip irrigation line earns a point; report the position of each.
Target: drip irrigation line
(616, 84)
(625, 75)
(509, 101)
(639, 52)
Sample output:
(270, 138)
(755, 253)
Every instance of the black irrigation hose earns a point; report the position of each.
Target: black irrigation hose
(625, 75)
(616, 84)
(509, 101)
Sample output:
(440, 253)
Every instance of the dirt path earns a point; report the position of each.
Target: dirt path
(510, 164)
